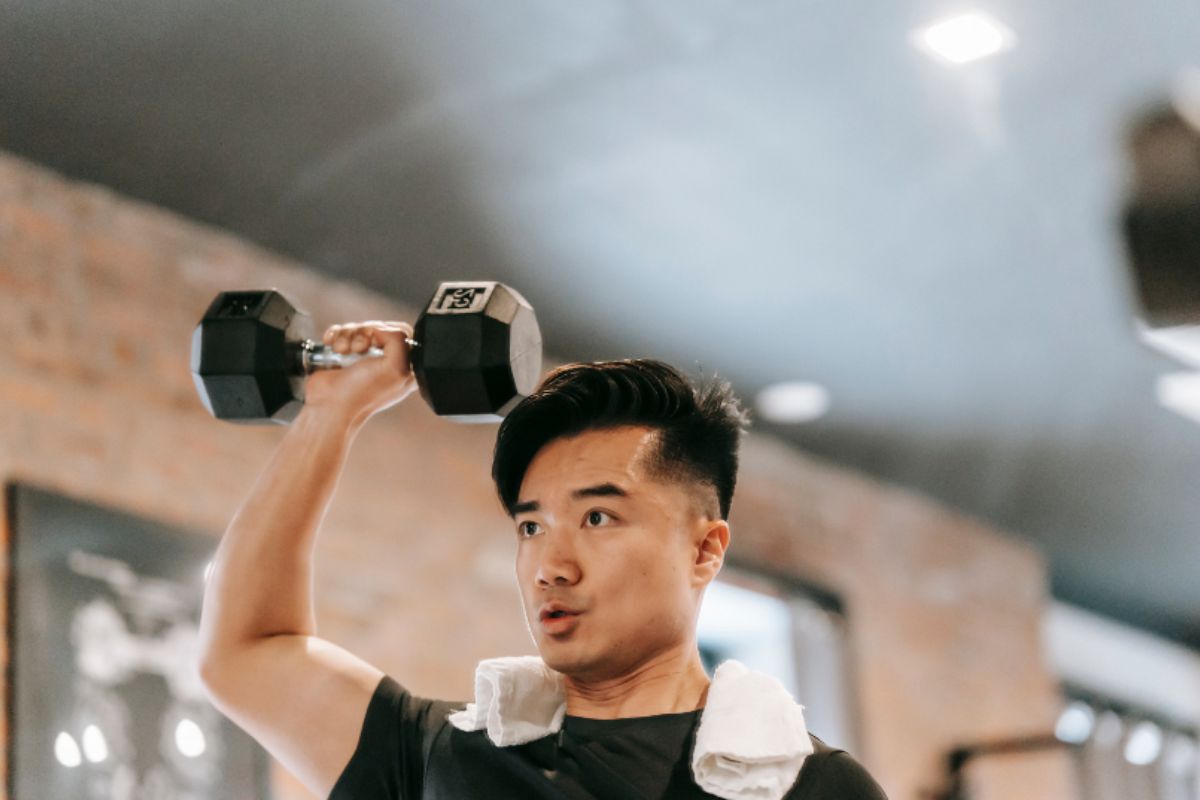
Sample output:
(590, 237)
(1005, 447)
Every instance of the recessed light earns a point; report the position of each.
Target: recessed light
(792, 402)
(965, 38)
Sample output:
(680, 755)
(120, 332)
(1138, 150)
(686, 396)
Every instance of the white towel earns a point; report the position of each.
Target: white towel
(750, 745)
(752, 739)
(517, 699)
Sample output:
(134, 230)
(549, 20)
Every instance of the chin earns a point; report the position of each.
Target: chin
(566, 657)
(558, 655)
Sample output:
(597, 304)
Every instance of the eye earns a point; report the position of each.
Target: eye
(527, 528)
(596, 517)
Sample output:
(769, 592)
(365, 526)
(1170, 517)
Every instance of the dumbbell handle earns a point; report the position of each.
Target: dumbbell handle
(315, 356)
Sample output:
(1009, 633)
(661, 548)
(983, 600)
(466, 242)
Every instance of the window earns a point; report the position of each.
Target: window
(1126, 752)
(1133, 707)
(792, 633)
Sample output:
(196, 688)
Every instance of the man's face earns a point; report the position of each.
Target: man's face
(615, 548)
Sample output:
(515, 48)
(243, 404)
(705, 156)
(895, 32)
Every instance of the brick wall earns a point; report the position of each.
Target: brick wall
(98, 297)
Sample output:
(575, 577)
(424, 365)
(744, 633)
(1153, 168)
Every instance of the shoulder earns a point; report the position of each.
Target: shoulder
(831, 773)
(394, 743)
(393, 704)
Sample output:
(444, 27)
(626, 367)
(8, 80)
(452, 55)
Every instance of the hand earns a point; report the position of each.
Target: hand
(362, 390)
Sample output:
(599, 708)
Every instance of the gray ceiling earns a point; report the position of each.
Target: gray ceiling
(774, 190)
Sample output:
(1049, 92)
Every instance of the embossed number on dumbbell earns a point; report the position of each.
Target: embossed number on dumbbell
(455, 298)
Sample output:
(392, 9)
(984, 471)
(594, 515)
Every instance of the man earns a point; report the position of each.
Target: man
(618, 477)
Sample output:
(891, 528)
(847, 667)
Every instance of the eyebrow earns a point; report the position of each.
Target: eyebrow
(599, 490)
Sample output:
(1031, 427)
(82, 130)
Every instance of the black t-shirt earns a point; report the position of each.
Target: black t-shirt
(408, 750)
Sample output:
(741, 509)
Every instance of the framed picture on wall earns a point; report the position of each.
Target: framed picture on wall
(104, 694)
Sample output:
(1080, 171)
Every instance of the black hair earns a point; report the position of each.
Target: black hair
(699, 426)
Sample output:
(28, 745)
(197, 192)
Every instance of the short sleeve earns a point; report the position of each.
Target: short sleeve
(389, 760)
(837, 776)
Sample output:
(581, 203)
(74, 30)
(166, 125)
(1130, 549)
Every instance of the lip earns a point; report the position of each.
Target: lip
(558, 626)
(561, 624)
(547, 609)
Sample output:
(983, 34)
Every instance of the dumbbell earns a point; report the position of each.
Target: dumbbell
(476, 352)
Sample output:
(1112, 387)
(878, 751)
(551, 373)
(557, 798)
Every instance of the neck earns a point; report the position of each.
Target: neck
(667, 683)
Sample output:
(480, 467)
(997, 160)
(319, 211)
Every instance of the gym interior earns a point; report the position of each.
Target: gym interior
(947, 255)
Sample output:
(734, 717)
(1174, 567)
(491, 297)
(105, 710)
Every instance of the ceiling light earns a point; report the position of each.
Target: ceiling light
(1180, 342)
(964, 38)
(1180, 392)
(1144, 744)
(67, 751)
(792, 402)
(189, 738)
(1075, 724)
(95, 746)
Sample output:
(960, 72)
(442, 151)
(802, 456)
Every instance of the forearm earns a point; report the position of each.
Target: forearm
(261, 584)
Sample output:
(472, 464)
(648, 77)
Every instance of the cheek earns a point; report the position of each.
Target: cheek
(523, 569)
(648, 586)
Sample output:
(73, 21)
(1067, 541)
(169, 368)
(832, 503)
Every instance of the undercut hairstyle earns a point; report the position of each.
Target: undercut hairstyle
(699, 426)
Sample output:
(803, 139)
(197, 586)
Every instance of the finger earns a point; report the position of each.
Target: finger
(386, 332)
(394, 342)
(358, 337)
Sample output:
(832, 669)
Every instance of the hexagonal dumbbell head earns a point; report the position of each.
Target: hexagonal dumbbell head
(479, 350)
(245, 357)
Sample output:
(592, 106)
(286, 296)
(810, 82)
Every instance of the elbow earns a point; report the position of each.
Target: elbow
(210, 675)
(216, 659)
(227, 670)
(216, 675)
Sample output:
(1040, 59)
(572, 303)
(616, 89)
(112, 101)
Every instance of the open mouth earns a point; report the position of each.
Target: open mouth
(559, 623)
(560, 615)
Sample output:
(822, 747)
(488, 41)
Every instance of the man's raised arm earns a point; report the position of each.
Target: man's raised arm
(301, 697)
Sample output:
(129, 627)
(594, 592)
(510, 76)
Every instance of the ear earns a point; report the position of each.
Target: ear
(710, 550)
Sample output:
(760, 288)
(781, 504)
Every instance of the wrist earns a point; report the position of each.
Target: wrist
(328, 421)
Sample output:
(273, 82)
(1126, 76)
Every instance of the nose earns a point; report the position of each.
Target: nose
(557, 562)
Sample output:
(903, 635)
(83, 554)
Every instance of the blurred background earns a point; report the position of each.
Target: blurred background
(946, 251)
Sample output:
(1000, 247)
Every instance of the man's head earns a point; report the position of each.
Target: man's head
(619, 476)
